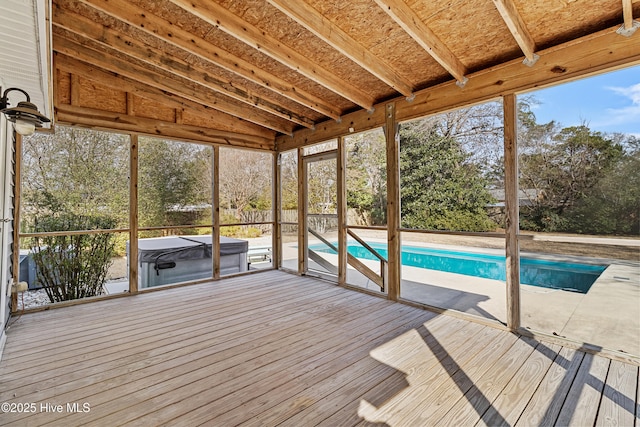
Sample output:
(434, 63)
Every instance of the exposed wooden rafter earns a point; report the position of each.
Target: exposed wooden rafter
(134, 87)
(233, 25)
(590, 54)
(518, 29)
(167, 32)
(629, 26)
(196, 93)
(258, 65)
(106, 120)
(627, 14)
(421, 33)
(333, 35)
(109, 38)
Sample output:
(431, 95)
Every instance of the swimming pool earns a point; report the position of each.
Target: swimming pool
(574, 277)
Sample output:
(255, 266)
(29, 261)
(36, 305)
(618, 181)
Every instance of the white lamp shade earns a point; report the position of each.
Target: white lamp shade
(25, 128)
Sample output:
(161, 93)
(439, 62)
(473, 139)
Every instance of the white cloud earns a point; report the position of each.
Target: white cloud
(624, 115)
(631, 92)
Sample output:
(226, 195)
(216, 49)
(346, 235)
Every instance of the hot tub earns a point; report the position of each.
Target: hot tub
(173, 259)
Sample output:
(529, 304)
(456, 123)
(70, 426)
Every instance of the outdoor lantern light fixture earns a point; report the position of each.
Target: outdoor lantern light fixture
(25, 116)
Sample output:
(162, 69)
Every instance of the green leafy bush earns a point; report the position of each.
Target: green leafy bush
(72, 266)
(238, 231)
(440, 188)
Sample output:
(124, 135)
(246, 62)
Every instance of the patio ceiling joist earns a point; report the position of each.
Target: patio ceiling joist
(421, 33)
(627, 14)
(165, 31)
(629, 25)
(604, 50)
(197, 93)
(307, 67)
(115, 81)
(106, 120)
(330, 33)
(518, 29)
(223, 19)
(109, 38)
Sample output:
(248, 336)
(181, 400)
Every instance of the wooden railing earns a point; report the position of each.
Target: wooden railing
(316, 257)
(378, 279)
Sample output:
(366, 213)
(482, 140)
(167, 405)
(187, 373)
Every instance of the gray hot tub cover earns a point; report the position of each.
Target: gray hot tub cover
(177, 248)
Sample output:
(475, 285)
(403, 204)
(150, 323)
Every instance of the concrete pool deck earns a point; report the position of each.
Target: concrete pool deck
(608, 315)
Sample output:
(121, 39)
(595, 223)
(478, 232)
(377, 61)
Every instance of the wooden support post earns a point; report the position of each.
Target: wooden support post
(512, 211)
(17, 185)
(393, 202)
(627, 14)
(131, 110)
(342, 211)
(276, 232)
(215, 212)
(133, 213)
(75, 90)
(302, 216)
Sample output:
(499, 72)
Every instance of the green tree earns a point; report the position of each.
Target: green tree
(367, 176)
(289, 180)
(173, 182)
(563, 169)
(76, 171)
(612, 205)
(440, 189)
(245, 181)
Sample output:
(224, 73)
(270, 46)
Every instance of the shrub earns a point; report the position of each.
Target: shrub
(72, 266)
(240, 231)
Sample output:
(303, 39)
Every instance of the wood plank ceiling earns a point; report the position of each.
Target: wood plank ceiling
(244, 72)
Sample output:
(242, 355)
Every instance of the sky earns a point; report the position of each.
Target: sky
(606, 103)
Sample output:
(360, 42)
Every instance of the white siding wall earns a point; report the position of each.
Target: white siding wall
(6, 230)
(25, 62)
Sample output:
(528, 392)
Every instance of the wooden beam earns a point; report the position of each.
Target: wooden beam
(99, 119)
(627, 14)
(233, 25)
(133, 87)
(602, 51)
(302, 213)
(512, 217)
(276, 201)
(194, 92)
(75, 90)
(516, 25)
(421, 33)
(354, 122)
(17, 201)
(393, 202)
(169, 33)
(128, 46)
(215, 212)
(363, 269)
(318, 259)
(179, 112)
(131, 109)
(133, 214)
(305, 15)
(342, 210)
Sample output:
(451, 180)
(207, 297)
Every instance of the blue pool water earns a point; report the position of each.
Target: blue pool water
(548, 274)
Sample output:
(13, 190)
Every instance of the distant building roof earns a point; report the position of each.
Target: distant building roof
(526, 196)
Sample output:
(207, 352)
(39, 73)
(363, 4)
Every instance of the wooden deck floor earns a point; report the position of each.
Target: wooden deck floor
(275, 349)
